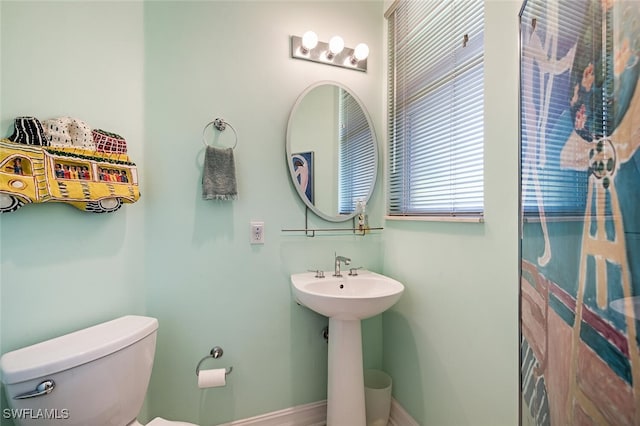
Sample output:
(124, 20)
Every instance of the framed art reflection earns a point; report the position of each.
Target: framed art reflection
(302, 163)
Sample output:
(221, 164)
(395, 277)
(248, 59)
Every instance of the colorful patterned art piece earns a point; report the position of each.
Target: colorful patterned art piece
(63, 162)
(580, 280)
(303, 167)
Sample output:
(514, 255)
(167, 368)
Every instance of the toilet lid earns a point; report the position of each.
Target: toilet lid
(159, 421)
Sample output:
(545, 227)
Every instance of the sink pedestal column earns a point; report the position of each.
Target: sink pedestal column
(345, 388)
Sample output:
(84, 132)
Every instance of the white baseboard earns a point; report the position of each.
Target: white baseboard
(399, 416)
(315, 414)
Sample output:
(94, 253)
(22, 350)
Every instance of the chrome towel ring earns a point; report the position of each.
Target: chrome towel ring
(221, 125)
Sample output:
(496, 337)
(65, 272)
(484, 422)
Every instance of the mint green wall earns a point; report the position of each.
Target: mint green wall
(156, 72)
(206, 284)
(451, 343)
(62, 269)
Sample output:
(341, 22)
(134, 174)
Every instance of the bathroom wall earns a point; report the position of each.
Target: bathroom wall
(157, 72)
(206, 283)
(63, 269)
(450, 344)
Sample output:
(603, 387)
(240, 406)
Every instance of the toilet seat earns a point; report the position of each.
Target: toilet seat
(159, 421)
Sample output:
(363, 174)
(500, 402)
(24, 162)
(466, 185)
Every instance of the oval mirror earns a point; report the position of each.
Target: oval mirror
(332, 151)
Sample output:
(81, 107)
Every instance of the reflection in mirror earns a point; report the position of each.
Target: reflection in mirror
(332, 152)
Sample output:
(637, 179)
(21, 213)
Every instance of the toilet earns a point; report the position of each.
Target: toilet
(94, 376)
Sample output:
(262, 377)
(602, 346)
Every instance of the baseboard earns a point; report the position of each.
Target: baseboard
(399, 416)
(315, 414)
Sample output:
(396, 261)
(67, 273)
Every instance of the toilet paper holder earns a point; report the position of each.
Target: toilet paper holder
(216, 352)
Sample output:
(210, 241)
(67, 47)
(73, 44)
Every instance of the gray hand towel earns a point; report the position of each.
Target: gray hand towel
(219, 175)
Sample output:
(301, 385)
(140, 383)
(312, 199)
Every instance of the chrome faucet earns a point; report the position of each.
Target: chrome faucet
(339, 259)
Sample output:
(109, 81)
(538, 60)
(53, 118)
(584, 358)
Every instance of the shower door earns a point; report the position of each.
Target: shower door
(580, 212)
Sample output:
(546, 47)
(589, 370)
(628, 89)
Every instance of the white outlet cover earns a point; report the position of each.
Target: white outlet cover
(257, 232)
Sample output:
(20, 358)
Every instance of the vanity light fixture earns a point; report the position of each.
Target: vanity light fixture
(334, 52)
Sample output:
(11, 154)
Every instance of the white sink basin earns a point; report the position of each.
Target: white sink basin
(347, 297)
(346, 300)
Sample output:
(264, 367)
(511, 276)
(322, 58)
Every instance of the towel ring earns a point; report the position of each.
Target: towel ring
(221, 125)
(216, 352)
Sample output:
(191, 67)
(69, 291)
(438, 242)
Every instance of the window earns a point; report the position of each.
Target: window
(436, 117)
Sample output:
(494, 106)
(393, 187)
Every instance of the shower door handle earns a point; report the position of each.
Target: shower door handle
(44, 388)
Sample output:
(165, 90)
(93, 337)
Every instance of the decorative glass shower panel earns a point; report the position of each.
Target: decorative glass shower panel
(580, 211)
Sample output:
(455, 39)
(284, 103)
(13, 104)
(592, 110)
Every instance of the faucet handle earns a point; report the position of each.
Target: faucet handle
(354, 271)
(319, 273)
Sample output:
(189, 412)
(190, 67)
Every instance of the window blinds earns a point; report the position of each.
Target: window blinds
(554, 73)
(356, 157)
(435, 104)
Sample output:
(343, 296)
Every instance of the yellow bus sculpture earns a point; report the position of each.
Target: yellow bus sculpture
(89, 180)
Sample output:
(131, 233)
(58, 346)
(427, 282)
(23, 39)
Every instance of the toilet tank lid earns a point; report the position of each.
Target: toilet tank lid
(74, 349)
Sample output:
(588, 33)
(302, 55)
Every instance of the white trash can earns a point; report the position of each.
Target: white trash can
(377, 396)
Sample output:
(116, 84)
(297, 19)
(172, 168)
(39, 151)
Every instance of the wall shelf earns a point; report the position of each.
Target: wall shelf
(311, 232)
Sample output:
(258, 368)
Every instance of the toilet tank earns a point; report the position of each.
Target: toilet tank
(101, 374)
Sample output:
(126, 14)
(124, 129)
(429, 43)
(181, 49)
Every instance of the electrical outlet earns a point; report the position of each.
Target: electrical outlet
(257, 232)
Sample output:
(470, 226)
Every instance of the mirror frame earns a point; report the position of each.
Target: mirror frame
(313, 208)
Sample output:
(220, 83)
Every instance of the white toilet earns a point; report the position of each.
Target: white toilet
(97, 376)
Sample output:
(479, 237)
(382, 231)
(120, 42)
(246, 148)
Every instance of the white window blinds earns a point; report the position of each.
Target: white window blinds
(436, 119)
(562, 103)
(356, 158)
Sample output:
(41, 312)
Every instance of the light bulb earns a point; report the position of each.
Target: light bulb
(361, 52)
(309, 41)
(336, 44)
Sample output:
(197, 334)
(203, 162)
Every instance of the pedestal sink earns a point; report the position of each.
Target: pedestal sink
(346, 300)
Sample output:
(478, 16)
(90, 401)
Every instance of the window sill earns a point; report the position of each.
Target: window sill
(464, 219)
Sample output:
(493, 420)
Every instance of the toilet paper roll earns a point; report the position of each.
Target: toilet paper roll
(212, 378)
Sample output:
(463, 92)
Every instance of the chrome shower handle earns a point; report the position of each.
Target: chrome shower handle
(44, 388)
